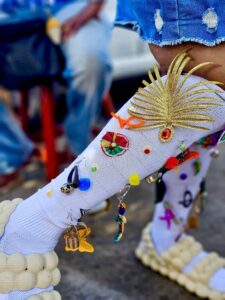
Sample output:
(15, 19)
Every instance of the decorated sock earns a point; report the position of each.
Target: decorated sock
(171, 215)
(122, 153)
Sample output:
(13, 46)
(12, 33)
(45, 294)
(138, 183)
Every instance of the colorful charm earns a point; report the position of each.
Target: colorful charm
(114, 144)
(127, 122)
(168, 104)
(72, 181)
(120, 218)
(222, 138)
(76, 239)
(169, 216)
(197, 166)
(134, 180)
(187, 200)
(182, 147)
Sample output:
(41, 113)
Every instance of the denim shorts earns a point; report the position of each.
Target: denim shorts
(171, 22)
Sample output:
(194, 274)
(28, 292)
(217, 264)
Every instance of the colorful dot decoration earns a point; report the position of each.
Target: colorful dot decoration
(84, 184)
(147, 150)
(94, 168)
(114, 144)
(183, 176)
(50, 193)
(182, 147)
(134, 179)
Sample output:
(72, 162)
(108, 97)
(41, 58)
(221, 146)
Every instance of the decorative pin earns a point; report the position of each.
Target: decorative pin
(127, 122)
(169, 105)
(172, 163)
(120, 218)
(72, 181)
(197, 166)
(76, 238)
(169, 216)
(187, 200)
(114, 144)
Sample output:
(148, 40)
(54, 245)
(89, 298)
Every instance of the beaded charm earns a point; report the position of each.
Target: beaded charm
(76, 238)
(120, 218)
(114, 144)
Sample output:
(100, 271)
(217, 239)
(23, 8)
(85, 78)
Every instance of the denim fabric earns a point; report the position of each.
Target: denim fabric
(170, 22)
(88, 72)
(15, 148)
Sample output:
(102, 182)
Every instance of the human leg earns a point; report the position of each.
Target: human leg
(88, 72)
(14, 145)
(108, 163)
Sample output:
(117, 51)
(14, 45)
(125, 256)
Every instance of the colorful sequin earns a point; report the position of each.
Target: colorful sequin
(114, 144)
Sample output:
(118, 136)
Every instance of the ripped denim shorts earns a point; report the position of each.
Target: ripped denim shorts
(171, 22)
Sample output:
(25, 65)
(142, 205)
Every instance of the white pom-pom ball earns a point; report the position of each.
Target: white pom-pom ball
(57, 295)
(25, 281)
(7, 282)
(35, 263)
(44, 279)
(3, 262)
(47, 296)
(51, 261)
(16, 263)
(56, 277)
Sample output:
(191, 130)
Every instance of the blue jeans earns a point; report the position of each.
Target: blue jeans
(88, 72)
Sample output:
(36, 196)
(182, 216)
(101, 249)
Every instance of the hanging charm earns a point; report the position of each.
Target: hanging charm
(120, 218)
(168, 104)
(76, 238)
(172, 163)
(72, 181)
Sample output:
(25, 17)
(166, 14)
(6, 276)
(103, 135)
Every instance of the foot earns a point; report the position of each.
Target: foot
(186, 263)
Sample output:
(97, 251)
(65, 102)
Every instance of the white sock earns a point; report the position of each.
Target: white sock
(36, 224)
(179, 183)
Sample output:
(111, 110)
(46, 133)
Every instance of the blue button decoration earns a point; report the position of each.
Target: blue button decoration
(84, 184)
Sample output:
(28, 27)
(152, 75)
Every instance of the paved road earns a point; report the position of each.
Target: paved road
(112, 272)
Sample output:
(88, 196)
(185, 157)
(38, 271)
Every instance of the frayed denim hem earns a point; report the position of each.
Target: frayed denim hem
(136, 27)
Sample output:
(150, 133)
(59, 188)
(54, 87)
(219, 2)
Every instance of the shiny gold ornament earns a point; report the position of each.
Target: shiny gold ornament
(168, 104)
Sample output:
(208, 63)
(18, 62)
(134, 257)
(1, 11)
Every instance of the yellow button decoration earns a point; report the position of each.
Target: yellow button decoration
(50, 193)
(134, 179)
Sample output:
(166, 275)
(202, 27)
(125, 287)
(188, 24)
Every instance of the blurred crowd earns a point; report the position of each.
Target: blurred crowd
(83, 35)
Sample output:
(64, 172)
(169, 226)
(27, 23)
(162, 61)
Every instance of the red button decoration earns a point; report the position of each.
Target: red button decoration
(147, 150)
(172, 163)
(114, 144)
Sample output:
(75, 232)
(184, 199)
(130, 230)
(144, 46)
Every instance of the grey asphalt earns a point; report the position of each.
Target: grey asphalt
(112, 272)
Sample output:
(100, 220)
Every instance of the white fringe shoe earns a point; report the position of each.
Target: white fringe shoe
(23, 273)
(171, 263)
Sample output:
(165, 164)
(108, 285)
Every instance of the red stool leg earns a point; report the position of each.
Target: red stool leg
(48, 128)
(23, 110)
